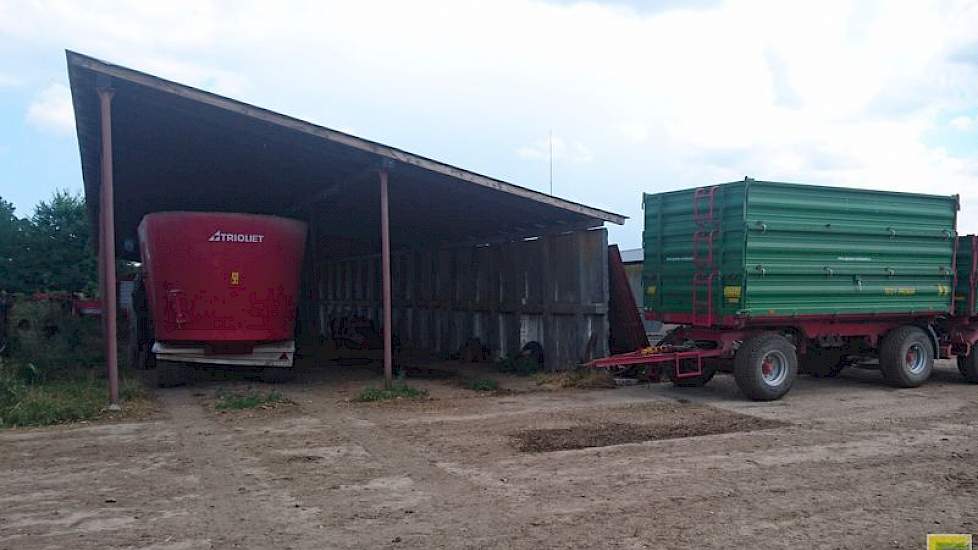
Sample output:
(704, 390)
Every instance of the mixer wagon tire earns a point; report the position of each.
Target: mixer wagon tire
(765, 366)
(906, 357)
(277, 375)
(170, 374)
(968, 366)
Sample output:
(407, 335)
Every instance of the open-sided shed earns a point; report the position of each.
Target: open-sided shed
(439, 253)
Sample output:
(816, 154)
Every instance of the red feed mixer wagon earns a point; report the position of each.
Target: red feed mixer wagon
(221, 289)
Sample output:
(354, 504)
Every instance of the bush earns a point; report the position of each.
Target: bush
(45, 336)
(249, 399)
(397, 391)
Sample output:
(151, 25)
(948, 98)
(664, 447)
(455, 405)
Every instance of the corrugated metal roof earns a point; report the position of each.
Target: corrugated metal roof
(178, 147)
(632, 255)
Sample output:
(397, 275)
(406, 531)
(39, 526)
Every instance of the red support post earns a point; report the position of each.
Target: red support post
(385, 255)
(106, 248)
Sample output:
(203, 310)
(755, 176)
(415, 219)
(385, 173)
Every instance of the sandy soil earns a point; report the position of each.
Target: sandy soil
(843, 463)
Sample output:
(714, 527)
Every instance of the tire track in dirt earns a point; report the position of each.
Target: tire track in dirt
(240, 508)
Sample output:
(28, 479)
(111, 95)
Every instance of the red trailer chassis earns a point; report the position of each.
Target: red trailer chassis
(949, 336)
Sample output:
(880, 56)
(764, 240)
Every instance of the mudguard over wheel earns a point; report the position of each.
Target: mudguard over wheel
(968, 366)
(765, 367)
(906, 357)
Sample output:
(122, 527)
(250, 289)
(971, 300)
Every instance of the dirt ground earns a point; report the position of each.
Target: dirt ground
(840, 463)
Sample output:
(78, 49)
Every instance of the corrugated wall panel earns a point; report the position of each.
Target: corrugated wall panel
(552, 289)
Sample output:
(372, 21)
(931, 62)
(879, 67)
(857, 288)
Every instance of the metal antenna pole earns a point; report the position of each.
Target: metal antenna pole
(551, 162)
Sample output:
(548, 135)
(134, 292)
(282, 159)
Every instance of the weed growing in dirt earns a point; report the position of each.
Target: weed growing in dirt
(250, 399)
(397, 391)
(520, 365)
(29, 401)
(482, 384)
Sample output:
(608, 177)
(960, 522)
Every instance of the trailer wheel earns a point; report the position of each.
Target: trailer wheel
(765, 367)
(709, 371)
(277, 375)
(968, 366)
(906, 357)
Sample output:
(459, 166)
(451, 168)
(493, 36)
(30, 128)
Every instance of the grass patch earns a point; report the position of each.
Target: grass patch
(249, 399)
(397, 391)
(520, 365)
(67, 398)
(481, 384)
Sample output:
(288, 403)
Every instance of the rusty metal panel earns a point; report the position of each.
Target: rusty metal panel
(552, 289)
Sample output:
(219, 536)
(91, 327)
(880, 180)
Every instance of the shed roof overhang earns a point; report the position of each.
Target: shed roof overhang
(180, 148)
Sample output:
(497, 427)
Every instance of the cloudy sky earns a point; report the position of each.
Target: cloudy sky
(639, 96)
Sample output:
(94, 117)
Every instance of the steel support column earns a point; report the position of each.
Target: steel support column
(106, 248)
(385, 261)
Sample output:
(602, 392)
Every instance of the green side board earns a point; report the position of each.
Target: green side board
(788, 249)
(964, 291)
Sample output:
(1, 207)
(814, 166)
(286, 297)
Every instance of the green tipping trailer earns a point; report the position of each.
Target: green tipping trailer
(769, 279)
(720, 255)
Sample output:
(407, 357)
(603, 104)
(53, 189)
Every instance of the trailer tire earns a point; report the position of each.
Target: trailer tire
(709, 371)
(765, 366)
(906, 357)
(277, 375)
(968, 366)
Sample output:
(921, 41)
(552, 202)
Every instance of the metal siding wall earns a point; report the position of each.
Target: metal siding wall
(553, 289)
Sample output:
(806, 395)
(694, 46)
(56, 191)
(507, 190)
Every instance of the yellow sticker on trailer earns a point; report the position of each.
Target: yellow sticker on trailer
(732, 293)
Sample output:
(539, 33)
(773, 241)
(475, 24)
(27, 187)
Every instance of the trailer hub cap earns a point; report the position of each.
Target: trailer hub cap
(915, 359)
(774, 368)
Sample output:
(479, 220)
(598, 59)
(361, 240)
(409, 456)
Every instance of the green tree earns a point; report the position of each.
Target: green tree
(13, 237)
(51, 251)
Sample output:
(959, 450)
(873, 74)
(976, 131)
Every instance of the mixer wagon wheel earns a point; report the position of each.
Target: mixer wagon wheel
(765, 366)
(170, 374)
(906, 357)
(968, 366)
(277, 375)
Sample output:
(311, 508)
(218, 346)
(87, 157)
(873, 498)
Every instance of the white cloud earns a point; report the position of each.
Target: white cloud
(9, 81)
(634, 131)
(843, 92)
(964, 123)
(557, 147)
(51, 110)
